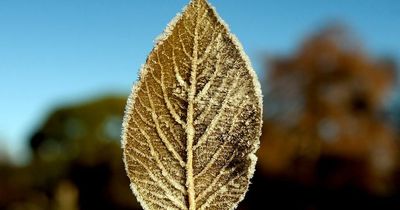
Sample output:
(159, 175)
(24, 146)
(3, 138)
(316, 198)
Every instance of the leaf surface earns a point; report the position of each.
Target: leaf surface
(193, 121)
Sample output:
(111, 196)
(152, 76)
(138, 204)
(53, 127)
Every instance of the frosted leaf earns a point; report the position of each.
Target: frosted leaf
(193, 121)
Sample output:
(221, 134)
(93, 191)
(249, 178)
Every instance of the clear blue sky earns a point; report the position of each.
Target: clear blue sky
(62, 51)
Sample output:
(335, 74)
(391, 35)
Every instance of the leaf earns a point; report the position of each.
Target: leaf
(193, 121)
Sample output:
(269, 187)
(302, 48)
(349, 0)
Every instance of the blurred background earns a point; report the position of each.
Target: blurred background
(329, 73)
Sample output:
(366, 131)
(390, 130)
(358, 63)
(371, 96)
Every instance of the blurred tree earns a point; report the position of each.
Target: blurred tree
(324, 115)
(77, 161)
(394, 112)
(4, 155)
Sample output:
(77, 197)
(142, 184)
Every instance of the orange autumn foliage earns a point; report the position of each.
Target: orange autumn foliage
(325, 103)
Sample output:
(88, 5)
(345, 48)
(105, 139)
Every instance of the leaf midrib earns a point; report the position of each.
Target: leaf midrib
(190, 117)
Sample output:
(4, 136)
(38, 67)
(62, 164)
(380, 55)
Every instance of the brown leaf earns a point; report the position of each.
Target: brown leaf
(193, 121)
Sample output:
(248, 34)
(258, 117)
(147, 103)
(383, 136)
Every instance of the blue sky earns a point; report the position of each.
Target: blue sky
(56, 51)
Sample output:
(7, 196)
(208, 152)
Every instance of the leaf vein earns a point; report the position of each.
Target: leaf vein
(216, 179)
(214, 121)
(171, 109)
(161, 134)
(168, 177)
(220, 149)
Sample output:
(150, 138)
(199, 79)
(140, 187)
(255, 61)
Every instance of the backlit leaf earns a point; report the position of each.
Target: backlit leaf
(193, 121)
